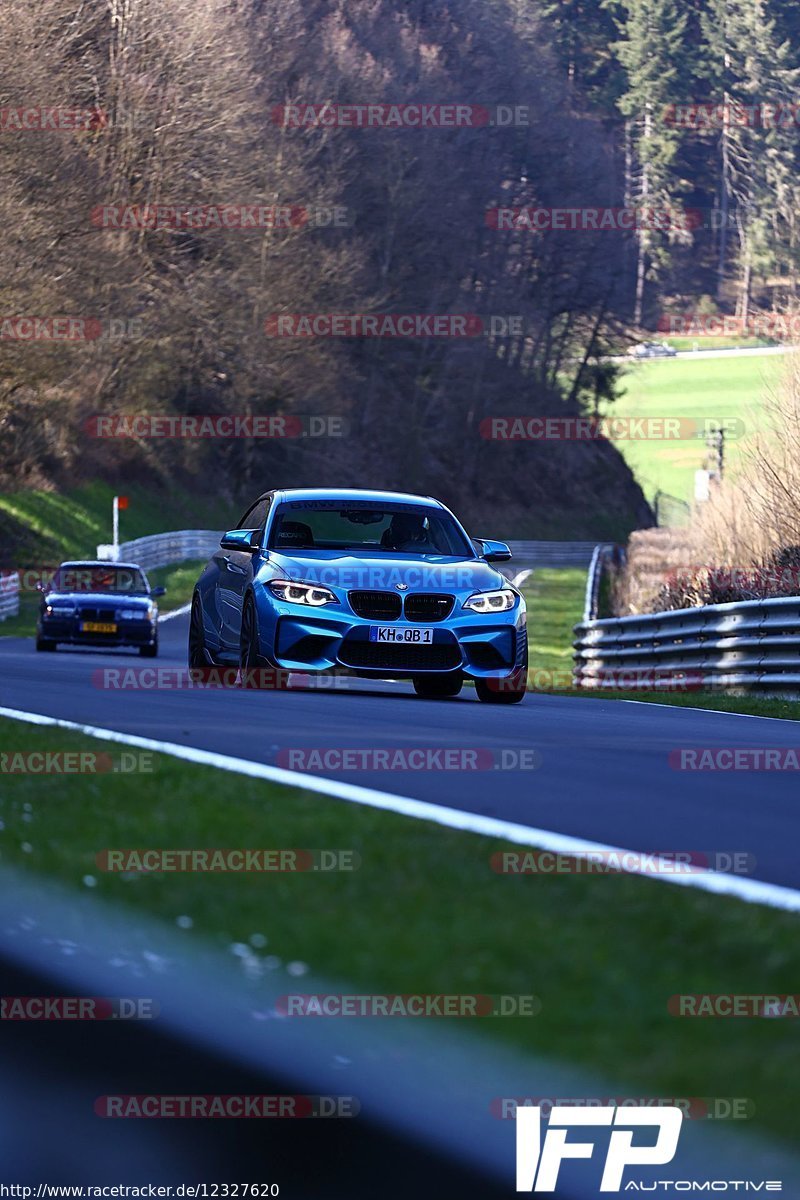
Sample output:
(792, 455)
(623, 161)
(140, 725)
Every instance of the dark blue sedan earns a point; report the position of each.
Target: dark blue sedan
(94, 603)
(376, 584)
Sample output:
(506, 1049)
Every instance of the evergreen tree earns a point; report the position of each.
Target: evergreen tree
(750, 70)
(651, 50)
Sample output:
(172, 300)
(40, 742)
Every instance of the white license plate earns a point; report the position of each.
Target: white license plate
(394, 633)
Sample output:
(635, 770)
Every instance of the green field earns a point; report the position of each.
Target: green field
(425, 913)
(703, 389)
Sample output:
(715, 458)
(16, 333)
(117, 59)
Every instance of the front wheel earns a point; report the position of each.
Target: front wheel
(438, 686)
(197, 641)
(45, 644)
(149, 651)
(250, 656)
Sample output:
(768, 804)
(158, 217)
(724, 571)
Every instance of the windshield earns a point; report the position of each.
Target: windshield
(390, 529)
(126, 580)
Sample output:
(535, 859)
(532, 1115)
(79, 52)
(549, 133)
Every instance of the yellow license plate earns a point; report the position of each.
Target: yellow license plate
(97, 627)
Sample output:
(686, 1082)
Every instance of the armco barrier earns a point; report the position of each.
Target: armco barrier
(750, 644)
(9, 595)
(552, 554)
(161, 549)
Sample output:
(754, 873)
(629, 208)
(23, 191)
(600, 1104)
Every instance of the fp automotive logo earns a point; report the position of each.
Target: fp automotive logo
(537, 1165)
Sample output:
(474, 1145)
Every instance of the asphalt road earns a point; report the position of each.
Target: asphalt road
(604, 770)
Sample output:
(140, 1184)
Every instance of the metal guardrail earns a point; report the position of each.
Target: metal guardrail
(747, 644)
(604, 552)
(553, 554)
(9, 595)
(161, 549)
(593, 579)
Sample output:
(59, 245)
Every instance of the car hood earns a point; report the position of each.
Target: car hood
(419, 572)
(95, 599)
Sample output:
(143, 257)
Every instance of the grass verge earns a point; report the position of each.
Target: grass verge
(42, 528)
(555, 605)
(425, 913)
(555, 600)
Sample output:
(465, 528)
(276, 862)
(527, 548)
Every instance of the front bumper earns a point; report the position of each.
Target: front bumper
(326, 639)
(67, 630)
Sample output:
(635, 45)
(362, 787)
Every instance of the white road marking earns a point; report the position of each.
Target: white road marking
(753, 891)
(518, 580)
(720, 712)
(176, 612)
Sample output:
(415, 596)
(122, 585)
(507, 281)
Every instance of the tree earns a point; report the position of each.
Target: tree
(651, 51)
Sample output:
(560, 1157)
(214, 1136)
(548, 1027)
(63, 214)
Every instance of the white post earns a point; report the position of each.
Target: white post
(116, 527)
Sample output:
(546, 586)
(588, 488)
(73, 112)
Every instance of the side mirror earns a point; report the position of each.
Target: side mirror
(247, 540)
(494, 551)
(158, 591)
(40, 586)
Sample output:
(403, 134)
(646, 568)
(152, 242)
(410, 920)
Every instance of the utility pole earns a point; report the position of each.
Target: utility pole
(715, 460)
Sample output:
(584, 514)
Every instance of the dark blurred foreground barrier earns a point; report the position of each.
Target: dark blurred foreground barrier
(425, 1127)
(747, 645)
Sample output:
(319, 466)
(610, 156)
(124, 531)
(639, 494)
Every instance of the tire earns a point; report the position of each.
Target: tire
(509, 690)
(197, 655)
(255, 669)
(149, 651)
(45, 644)
(438, 687)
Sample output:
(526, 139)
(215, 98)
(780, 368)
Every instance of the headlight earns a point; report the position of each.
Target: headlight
(491, 602)
(59, 610)
(301, 593)
(137, 614)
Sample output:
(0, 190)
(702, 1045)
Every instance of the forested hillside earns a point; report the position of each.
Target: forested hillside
(189, 99)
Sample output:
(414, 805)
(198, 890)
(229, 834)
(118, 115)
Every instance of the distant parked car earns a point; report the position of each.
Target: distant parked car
(95, 603)
(652, 350)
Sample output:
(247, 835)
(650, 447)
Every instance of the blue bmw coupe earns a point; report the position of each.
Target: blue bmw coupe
(377, 584)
